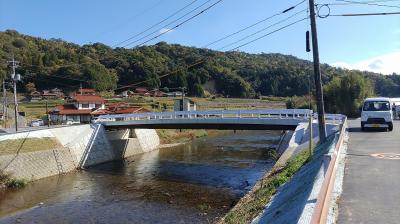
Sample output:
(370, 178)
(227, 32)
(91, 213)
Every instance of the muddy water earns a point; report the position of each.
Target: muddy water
(192, 183)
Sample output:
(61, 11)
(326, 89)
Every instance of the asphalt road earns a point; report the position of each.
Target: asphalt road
(371, 188)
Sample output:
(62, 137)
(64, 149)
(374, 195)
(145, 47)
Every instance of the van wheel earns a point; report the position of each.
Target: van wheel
(362, 128)
(390, 128)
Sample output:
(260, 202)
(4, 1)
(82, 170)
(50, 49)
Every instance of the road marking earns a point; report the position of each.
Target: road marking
(386, 155)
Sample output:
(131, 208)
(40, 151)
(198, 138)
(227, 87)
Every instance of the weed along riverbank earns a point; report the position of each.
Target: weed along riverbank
(197, 182)
(198, 177)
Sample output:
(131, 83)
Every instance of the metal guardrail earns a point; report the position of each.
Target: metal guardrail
(301, 114)
(321, 209)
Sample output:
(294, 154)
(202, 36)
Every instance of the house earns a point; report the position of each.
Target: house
(58, 92)
(83, 107)
(47, 94)
(82, 91)
(158, 93)
(120, 108)
(184, 105)
(79, 109)
(35, 96)
(142, 91)
(174, 94)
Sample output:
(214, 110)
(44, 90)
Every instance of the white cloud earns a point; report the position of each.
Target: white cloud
(385, 64)
(166, 30)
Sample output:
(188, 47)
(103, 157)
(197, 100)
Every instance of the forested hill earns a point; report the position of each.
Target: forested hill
(56, 63)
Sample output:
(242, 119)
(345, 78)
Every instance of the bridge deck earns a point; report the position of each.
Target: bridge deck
(236, 120)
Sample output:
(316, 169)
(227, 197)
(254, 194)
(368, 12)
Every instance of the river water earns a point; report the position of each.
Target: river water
(193, 183)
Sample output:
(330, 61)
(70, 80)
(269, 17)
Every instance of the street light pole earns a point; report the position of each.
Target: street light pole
(317, 74)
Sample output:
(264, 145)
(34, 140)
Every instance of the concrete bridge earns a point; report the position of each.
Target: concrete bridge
(273, 119)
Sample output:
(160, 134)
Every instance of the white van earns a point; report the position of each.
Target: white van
(377, 113)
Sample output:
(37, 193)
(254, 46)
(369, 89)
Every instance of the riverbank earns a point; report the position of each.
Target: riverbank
(197, 182)
(176, 136)
(33, 155)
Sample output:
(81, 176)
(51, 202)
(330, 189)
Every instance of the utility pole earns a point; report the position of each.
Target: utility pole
(47, 114)
(183, 97)
(317, 74)
(15, 77)
(5, 115)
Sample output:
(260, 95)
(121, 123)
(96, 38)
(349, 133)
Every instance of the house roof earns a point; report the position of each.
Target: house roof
(119, 109)
(89, 98)
(68, 109)
(35, 93)
(87, 90)
(130, 110)
(101, 112)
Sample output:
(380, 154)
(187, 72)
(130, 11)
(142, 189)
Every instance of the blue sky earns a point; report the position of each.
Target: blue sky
(368, 43)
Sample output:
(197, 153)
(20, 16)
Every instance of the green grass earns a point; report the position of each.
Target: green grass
(248, 210)
(27, 145)
(168, 136)
(7, 181)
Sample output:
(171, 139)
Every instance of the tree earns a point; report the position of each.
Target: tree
(30, 87)
(345, 94)
(99, 77)
(198, 90)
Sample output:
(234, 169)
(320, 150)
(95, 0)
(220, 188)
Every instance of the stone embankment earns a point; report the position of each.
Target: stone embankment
(81, 146)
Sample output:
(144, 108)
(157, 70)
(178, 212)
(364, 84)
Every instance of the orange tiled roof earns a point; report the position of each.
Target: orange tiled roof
(69, 110)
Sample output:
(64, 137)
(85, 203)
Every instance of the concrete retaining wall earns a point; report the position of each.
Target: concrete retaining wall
(36, 165)
(83, 146)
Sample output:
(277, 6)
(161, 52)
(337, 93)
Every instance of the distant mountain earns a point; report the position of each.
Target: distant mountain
(56, 63)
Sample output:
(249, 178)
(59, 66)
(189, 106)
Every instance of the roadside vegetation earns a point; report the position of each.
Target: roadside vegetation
(255, 201)
(15, 146)
(7, 182)
(346, 94)
(342, 95)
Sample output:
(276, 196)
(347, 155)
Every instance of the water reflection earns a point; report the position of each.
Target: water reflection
(196, 182)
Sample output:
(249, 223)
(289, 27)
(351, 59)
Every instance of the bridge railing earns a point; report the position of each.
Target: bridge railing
(301, 114)
(333, 118)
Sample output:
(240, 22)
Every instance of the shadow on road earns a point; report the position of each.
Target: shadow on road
(358, 129)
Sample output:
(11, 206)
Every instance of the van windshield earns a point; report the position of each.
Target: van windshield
(376, 106)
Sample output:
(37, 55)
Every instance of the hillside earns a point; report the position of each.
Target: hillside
(56, 63)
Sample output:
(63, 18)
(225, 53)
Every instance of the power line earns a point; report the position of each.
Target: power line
(272, 32)
(367, 3)
(116, 26)
(369, 14)
(217, 54)
(266, 28)
(156, 24)
(252, 25)
(180, 24)
(172, 22)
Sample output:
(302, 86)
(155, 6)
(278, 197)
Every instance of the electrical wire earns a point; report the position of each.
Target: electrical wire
(119, 25)
(368, 14)
(172, 22)
(217, 54)
(367, 3)
(266, 28)
(272, 32)
(180, 24)
(252, 25)
(156, 24)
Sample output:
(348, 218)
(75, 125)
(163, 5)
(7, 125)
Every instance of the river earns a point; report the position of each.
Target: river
(193, 183)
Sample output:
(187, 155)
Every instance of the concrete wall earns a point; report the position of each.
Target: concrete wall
(131, 142)
(83, 146)
(36, 165)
